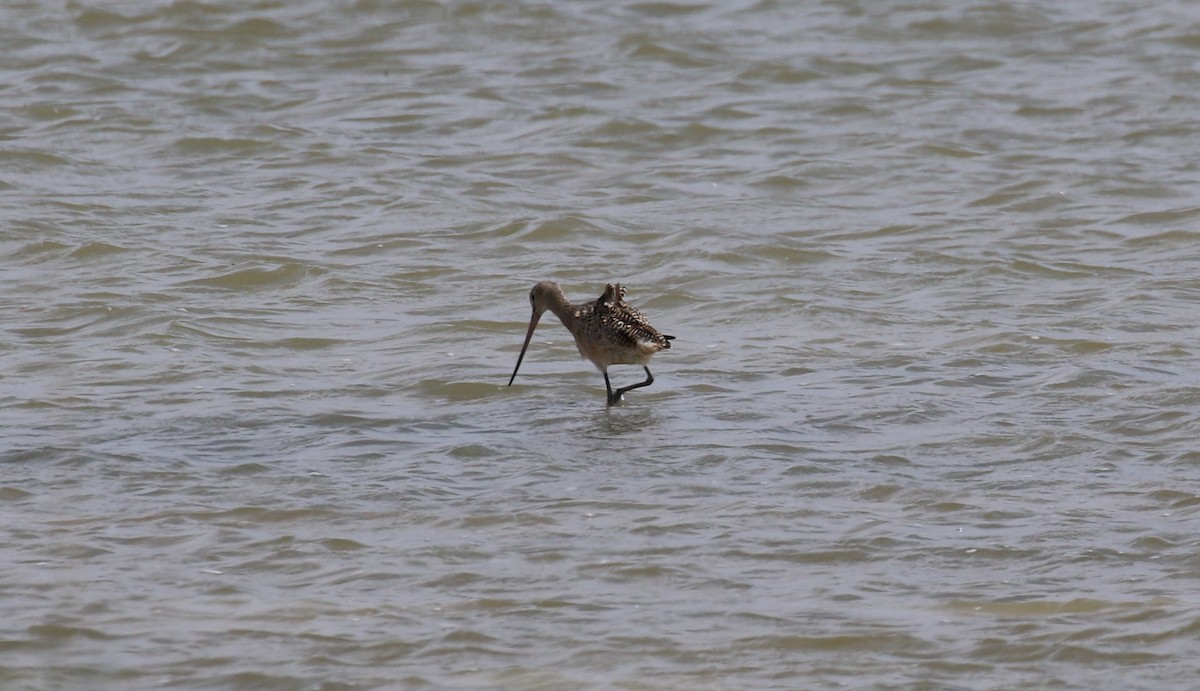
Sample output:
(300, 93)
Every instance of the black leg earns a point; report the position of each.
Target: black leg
(614, 397)
(609, 387)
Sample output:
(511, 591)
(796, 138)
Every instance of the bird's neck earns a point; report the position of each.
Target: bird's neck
(570, 315)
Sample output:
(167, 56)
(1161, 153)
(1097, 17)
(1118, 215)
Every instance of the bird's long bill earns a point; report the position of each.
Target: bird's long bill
(533, 322)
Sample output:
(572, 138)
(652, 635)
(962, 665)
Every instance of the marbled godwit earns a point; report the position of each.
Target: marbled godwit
(607, 331)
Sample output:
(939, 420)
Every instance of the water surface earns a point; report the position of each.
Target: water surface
(929, 420)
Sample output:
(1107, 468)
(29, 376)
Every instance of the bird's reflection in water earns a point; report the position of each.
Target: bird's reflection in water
(623, 421)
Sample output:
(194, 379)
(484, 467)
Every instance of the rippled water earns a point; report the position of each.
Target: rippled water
(930, 420)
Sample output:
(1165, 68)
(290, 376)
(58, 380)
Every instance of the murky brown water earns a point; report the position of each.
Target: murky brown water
(930, 421)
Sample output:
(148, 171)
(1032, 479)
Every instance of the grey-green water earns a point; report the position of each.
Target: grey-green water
(930, 422)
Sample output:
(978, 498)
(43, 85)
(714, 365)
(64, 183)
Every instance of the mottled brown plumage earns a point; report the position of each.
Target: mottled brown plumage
(607, 331)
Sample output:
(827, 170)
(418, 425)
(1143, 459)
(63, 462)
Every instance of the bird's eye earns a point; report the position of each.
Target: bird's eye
(531, 298)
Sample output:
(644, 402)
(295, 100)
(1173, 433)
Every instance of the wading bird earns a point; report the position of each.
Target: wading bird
(607, 331)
